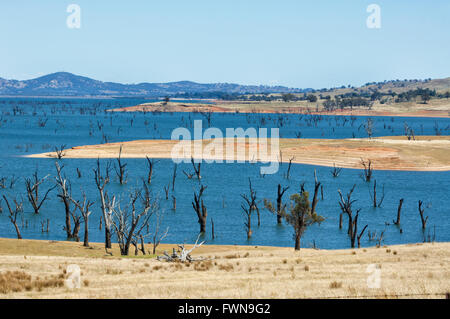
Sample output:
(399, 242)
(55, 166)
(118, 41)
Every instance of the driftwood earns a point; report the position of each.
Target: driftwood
(181, 256)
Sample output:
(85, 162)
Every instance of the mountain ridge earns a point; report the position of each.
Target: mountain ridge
(69, 84)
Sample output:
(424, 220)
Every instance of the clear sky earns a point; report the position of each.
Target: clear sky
(321, 43)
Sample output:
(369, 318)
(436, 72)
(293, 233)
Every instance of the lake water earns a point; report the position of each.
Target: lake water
(85, 121)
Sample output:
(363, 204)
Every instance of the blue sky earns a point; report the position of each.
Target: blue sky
(285, 42)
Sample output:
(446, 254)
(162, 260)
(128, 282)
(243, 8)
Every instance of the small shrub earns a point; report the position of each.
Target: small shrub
(235, 256)
(226, 267)
(335, 285)
(203, 266)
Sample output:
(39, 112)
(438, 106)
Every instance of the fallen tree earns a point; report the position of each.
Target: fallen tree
(183, 255)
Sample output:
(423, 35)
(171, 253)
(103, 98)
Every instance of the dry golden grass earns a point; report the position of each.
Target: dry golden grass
(18, 281)
(426, 153)
(415, 271)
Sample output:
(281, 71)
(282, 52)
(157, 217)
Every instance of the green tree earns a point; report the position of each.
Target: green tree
(288, 97)
(311, 98)
(426, 97)
(300, 216)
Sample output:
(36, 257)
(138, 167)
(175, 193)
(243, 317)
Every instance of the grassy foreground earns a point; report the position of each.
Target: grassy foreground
(407, 271)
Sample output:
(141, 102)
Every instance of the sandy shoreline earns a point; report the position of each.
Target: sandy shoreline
(405, 271)
(426, 153)
(414, 110)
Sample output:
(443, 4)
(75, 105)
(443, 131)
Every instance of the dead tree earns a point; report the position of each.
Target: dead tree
(166, 190)
(150, 163)
(280, 207)
(174, 176)
(368, 170)
(360, 235)
(59, 151)
(374, 196)
(120, 169)
(65, 195)
(369, 127)
(422, 218)
(302, 187)
(174, 203)
(158, 236)
(316, 191)
(288, 173)
(32, 186)
(188, 175)
(380, 239)
(45, 226)
(12, 181)
(200, 208)
(207, 116)
(107, 205)
(183, 256)
(13, 213)
(336, 171)
(76, 224)
(248, 207)
(354, 230)
(129, 225)
(197, 169)
(84, 209)
(399, 211)
(346, 208)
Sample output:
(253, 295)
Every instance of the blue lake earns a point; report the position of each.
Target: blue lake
(30, 126)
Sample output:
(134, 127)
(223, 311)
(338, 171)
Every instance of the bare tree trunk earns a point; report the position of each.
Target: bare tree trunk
(200, 209)
(375, 194)
(422, 218)
(399, 211)
(316, 190)
(174, 177)
(174, 200)
(67, 210)
(86, 232)
(297, 240)
(280, 194)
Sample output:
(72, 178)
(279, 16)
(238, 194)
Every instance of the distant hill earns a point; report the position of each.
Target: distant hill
(396, 86)
(68, 84)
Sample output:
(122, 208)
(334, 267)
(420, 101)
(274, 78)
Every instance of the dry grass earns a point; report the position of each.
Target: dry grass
(18, 281)
(425, 153)
(265, 272)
